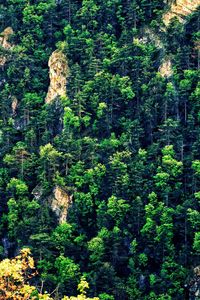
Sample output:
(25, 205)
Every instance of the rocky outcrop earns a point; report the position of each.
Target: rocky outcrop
(180, 9)
(14, 106)
(165, 68)
(60, 202)
(4, 43)
(58, 73)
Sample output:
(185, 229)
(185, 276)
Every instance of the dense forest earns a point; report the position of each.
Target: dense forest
(100, 147)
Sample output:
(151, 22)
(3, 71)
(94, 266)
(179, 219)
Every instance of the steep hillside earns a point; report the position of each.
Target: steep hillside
(100, 149)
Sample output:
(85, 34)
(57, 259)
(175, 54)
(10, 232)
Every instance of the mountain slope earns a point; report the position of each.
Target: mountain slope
(99, 146)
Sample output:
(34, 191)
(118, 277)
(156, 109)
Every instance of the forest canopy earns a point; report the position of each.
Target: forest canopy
(100, 149)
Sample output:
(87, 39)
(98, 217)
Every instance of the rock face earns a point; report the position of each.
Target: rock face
(14, 105)
(58, 73)
(180, 9)
(4, 42)
(60, 202)
(166, 68)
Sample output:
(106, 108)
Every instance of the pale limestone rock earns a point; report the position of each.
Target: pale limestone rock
(14, 105)
(60, 202)
(197, 271)
(4, 37)
(4, 42)
(180, 9)
(58, 73)
(166, 68)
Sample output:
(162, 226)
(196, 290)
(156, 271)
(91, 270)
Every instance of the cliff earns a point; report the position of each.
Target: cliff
(58, 73)
(166, 68)
(60, 202)
(4, 42)
(180, 9)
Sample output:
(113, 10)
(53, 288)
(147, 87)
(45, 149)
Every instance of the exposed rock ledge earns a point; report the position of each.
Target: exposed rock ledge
(58, 73)
(59, 201)
(180, 9)
(166, 68)
(4, 42)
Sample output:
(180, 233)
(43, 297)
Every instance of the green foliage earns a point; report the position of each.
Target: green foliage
(97, 249)
(124, 144)
(68, 272)
(196, 244)
(17, 186)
